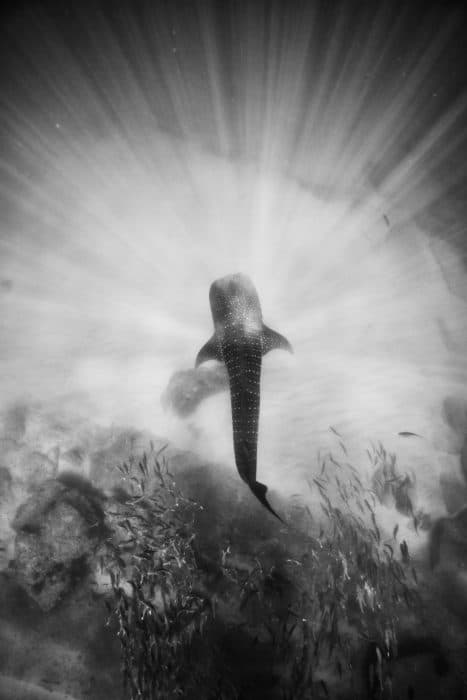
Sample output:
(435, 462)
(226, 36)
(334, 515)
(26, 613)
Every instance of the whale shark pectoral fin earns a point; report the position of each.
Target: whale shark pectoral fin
(209, 351)
(260, 491)
(272, 340)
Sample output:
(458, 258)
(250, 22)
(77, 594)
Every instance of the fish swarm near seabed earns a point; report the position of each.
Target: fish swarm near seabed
(303, 600)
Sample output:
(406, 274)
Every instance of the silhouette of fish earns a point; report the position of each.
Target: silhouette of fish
(240, 340)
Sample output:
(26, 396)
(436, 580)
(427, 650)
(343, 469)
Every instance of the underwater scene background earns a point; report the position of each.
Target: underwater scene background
(147, 149)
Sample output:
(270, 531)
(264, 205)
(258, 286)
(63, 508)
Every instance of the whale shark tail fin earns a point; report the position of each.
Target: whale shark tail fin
(260, 492)
(272, 340)
(209, 351)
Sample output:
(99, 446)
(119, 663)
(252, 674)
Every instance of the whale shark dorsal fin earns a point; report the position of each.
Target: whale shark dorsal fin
(209, 351)
(272, 340)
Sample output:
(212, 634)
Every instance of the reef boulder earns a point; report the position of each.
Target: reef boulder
(58, 529)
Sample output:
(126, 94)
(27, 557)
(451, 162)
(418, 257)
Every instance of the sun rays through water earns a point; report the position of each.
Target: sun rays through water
(148, 149)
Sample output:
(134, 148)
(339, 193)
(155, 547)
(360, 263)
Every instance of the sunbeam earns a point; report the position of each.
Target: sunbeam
(150, 149)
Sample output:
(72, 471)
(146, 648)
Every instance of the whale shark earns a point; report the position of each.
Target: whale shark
(240, 340)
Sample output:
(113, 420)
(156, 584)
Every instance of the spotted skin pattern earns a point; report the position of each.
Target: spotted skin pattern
(240, 340)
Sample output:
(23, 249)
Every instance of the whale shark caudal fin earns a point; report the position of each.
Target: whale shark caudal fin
(209, 351)
(260, 492)
(272, 340)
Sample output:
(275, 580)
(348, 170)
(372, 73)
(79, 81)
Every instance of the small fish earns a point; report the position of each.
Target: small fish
(368, 506)
(378, 536)
(406, 433)
(404, 551)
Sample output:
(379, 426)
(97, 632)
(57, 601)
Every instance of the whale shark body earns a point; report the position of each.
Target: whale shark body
(240, 340)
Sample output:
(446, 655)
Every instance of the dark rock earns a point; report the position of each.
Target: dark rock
(455, 414)
(68, 651)
(187, 388)
(58, 529)
(454, 492)
(449, 533)
(451, 598)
